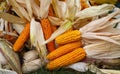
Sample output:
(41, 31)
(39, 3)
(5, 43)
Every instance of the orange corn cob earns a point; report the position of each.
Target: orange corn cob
(22, 38)
(63, 50)
(70, 58)
(46, 26)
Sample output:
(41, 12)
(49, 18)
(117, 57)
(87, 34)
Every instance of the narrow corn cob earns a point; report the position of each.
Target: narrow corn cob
(22, 38)
(70, 58)
(63, 50)
(46, 26)
(68, 37)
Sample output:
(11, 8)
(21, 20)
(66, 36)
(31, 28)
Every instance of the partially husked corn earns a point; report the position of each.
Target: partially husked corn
(70, 58)
(68, 37)
(64, 50)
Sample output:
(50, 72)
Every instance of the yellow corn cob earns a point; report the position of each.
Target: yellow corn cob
(70, 58)
(63, 50)
(68, 37)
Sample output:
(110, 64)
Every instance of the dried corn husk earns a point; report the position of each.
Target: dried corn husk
(11, 18)
(32, 66)
(3, 61)
(4, 71)
(94, 11)
(11, 56)
(44, 8)
(89, 31)
(37, 39)
(107, 71)
(30, 55)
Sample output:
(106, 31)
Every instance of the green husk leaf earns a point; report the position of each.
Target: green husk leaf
(11, 18)
(63, 27)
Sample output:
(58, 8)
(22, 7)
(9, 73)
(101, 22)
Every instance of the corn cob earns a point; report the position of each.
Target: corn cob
(22, 38)
(70, 58)
(68, 37)
(63, 50)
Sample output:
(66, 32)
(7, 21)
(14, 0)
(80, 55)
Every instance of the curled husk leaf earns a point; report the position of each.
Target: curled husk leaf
(11, 57)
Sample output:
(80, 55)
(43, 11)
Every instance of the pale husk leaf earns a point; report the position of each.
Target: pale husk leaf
(44, 8)
(29, 7)
(37, 39)
(19, 28)
(32, 66)
(93, 11)
(89, 30)
(56, 7)
(11, 56)
(35, 8)
(11, 18)
(4, 71)
(110, 71)
(72, 8)
(55, 21)
(104, 49)
(19, 10)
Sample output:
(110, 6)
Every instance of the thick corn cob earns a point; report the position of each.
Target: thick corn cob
(63, 50)
(68, 37)
(70, 58)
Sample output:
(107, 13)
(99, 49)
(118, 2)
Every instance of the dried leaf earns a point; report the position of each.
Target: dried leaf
(55, 4)
(19, 9)
(44, 8)
(37, 39)
(72, 8)
(55, 21)
(29, 7)
(93, 11)
(11, 56)
(11, 18)
(104, 49)
(4, 71)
